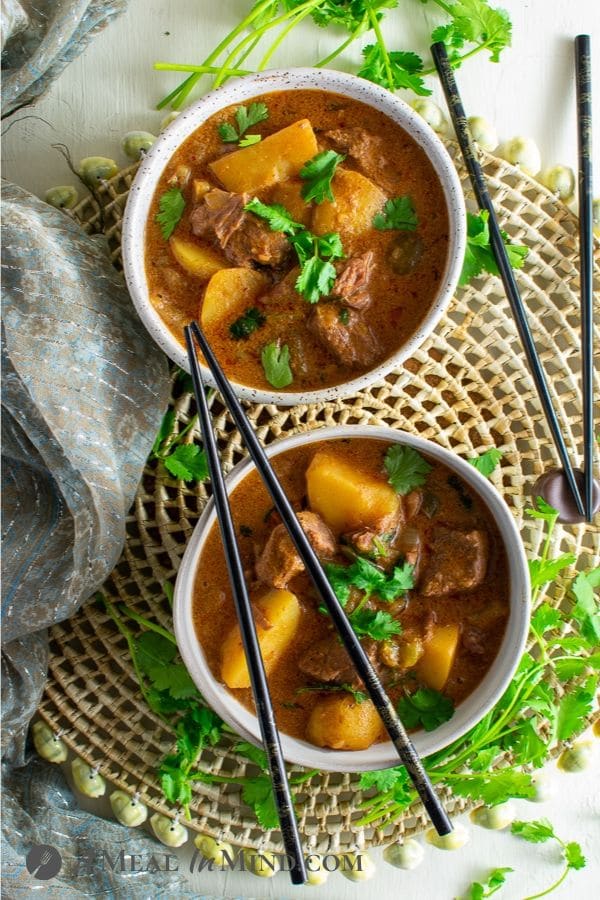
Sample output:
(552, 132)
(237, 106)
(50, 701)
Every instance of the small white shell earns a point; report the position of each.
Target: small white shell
(210, 848)
(48, 745)
(316, 874)
(545, 787)
(431, 112)
(87, 780)
(406, 855)
(264, 864)
(576, 758)
(96, 169)
(522, 152)
(169, 831)
(453, 841)
(494, 817)
(128, 810)
(357, 866)
(483, 133)
(560, 180)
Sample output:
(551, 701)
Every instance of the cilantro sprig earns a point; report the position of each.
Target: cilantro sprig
(478, 254)
(494, 881)
(185, 461)
(171, 205)
(425, 707)
(406, 468)
(365, 576)
(317, 174)
(539, 832)
(245, 117)
(398, 214)
(487, 462)
(315, 252)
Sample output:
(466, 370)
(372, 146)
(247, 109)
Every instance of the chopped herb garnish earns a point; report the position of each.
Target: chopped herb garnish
(344, 315)
(245, 118)
(170, 210)
(397, 215)
(317, 174)
(406, 468)
(247, 324)
(246, 531)
(314, 252)
(377, 625)
(425, 707)
(367, 577)
(481, 889)
(276, 364)
(487, 461)
(478, 254)
(359, 696)
(540, 831)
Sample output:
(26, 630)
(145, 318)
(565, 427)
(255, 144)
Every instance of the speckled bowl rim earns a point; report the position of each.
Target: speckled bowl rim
(381, 755)
(242, 89)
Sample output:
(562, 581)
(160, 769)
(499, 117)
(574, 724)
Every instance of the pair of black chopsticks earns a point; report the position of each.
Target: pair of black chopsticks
(260, 689)
(584, 115)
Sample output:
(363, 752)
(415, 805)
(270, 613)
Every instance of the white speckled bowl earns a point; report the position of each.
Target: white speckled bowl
(239, 91)
(381, 755)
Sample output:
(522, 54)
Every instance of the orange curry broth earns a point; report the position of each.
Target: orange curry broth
(487, 606)
(400, 302)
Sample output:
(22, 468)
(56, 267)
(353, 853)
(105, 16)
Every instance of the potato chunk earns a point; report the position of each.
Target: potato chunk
(228, 293)
(341, 723)
(196, 259)
(277, 157)
(356, 200)
(276, 623)
(289, 194)
(435, 663)
(347, 498)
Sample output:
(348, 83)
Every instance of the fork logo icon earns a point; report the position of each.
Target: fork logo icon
(43, 862)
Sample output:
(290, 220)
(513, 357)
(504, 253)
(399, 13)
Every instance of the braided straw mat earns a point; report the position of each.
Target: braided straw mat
(466, 388)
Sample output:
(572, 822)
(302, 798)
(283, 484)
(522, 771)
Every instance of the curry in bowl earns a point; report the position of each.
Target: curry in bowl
(306, 230)
(413, 554)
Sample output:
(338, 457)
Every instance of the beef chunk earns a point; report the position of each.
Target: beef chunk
(352, 344)
(458, 561)
(474, 641)
(279, 562)
(244, 238)
(361, 145)
(328, 661)
(351, 285)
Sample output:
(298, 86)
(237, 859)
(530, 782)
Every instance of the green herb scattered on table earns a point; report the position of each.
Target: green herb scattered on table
(245, 117)
(541, 831)
(170, 210)
(478, 254)
(314, 252)
(487, 461)
(185, 461)
(494, 881)
(469, 27)
(317, 174)
(397, 215)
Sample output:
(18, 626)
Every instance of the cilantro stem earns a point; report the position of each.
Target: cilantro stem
(170, 443)
(283, 34)
(552, 886)
(202, 70)
(382, 46)
(146, 623)
(340, 49)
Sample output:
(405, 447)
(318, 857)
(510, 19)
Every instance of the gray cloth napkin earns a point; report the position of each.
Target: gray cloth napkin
(39, 39)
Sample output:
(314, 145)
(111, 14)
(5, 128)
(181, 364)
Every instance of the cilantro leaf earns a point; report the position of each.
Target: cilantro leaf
(316, 279)
(170, 210)
(401, 580)
(574, 856)
(247, 323)
(393, 69)
(337, 576)
(165, 430)
(317, 174)
(250, 139)
(487, 461)
(406, 468)
(227, 133)
(536, 832)
(378, 625)
(545, 618)
(153, 651)
(576, 665)
(586, 611)
(188, 462)
(398, 215)
(425, 707)
(543, 510)
(542, 571)
(478, 23)
(245, 117)
(494, 881)
(493, 787)
(366, 576)
(175, 679)
(257, 792)
(275, 360)
(276, 215)
(528, 747)
(479, 256)
(383, 779)
(574, 708)
(254, 754)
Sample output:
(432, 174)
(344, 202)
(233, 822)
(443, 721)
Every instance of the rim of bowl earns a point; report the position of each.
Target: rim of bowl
(381, 755)
(144, 184)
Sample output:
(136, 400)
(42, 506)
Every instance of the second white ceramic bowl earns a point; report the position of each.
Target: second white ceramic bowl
(239, 91)
(380, 755)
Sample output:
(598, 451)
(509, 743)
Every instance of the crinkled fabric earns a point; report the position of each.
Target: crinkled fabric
(84, 389)
(40, 39)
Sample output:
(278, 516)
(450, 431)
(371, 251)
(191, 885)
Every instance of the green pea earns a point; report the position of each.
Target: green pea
(64, 196)
(96, 169)
(136, 143)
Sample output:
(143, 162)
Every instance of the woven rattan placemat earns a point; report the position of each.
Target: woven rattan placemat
(466, 388)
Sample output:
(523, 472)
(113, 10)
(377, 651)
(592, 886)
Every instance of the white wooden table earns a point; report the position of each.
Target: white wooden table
(111, 89)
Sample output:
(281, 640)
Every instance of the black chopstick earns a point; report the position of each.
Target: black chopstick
(583, 77)
(258, 678)
(459, 120)
(361, 661)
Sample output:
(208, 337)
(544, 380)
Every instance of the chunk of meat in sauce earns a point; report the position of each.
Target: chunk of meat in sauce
(384, 542)
(244, 239)
(328, 661)
(458, 561)
(279, 562)
(352, 343)
(352, 284)
(361, 145)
